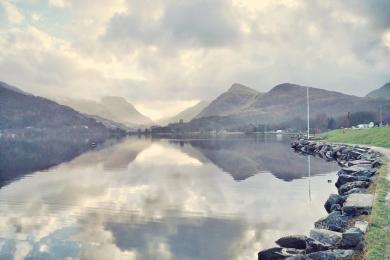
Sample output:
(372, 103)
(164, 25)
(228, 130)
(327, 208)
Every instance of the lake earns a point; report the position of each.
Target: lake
(143, 198)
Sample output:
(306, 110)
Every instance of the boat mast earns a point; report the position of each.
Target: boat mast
(308, 113)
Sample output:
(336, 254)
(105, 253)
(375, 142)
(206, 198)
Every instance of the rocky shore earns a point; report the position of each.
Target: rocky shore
(340, 234)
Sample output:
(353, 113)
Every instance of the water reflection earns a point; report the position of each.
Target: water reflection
(143, 199)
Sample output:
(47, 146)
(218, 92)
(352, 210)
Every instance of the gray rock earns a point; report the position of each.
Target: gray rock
(345, 178)
(335, 221)
(352, 238)
(313, 245)
(355, 190)
(335, 207)
(278, 253)
(351, 185)
(358, 204)
(297, 242)
(362, 225)
(327, 237)
(336, 254)
(357, 162)
(356, 168)
(332, 200)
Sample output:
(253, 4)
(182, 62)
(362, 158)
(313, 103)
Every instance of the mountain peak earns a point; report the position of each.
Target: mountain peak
(285, 87)
(237, 87)
(381, 93)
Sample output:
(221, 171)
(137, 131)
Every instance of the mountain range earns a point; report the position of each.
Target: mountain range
(284, 103)
(24, 112)
(237, 107)
(187, 114)
(381, 93)
(117, 109)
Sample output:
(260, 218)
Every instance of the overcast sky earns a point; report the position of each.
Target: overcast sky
(166, 55)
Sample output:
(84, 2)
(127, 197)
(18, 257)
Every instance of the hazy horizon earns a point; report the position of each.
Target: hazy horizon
(164, 56)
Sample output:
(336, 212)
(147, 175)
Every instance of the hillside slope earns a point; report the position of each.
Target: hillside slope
(382, 93)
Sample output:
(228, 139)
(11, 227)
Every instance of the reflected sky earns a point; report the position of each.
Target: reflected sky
(221, 198)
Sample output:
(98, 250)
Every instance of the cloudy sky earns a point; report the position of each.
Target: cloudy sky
(166, 55)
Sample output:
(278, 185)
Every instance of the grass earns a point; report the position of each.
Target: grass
(377, 245)
(374, 136)
(377, 240)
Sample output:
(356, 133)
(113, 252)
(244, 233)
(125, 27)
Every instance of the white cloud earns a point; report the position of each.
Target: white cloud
(158, 53)
(59, 3)
(14, 16)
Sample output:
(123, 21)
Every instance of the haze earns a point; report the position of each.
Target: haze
(164, 56)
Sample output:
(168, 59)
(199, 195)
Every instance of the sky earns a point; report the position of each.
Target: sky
(164, 56)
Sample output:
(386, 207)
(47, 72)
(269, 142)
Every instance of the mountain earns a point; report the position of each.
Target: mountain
(185, 115)
(232, 101)
(24, 113)
(115, 109)
(382, 93)
(283, 104)
(13, 88)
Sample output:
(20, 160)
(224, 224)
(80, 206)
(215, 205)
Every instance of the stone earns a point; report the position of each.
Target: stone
(313, 245)
(356, 168)
(356, 162)
(335, 254)
(376, 163)
(345, 178)
(278, 253)
(352, 238)
(358, 204)
(351, 185)
(355, 190)
(335, 207)
(297, 242)
(335, 221)
(362, 225)
(332, 200)
(327, 237)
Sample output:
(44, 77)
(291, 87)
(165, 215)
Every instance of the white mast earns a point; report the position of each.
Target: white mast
(308, 113)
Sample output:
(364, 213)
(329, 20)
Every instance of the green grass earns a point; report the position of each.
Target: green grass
(377, 241)
(374, 136)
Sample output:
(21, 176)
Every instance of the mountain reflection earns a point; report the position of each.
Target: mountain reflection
(243, 157)
(148, 199)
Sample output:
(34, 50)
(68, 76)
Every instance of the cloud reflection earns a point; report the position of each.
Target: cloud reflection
(141, 199)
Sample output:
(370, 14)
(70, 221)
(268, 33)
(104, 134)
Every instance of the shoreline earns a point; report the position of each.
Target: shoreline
(341, 233)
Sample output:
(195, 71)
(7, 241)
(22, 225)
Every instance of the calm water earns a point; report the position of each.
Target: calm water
(220, 198)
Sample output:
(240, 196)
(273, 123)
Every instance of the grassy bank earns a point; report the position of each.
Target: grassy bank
(377, 239)
(378, 235)
(374, 136)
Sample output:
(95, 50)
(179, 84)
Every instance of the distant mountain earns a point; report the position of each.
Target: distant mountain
(382, 93)
(20, 112)
(13, 88)
(115, 109)
(185, 115)
(282, 104)
(237, 98)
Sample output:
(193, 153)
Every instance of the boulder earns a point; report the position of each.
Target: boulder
(326, 237)
(351, 185)
(345, 178)
(335, 221)
(278, 253)
(352, 238)
(356, 162)
(358, 204)
(332, 200)
(313, 245)
(376, 163)
(335, 207)
(355, 190)
(356, 168)
(335, 254)
(297, 242)
(362, 225)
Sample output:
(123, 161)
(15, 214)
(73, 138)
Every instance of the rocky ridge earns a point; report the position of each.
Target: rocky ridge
(338, 235)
